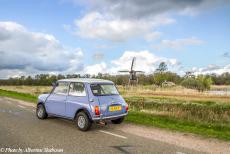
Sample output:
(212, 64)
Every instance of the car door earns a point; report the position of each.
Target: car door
(76, 99)
(55, 103)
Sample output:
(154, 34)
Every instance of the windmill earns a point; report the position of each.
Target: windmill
(132, 73)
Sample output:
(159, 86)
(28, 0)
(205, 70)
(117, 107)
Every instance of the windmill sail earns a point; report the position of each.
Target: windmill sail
(132, 65)
(133, 74)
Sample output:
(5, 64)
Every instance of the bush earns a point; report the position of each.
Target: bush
(193, 83)
(200, 83)
(205, 80)
(161, 77)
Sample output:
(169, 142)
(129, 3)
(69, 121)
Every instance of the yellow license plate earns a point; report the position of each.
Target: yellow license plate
(114, 108)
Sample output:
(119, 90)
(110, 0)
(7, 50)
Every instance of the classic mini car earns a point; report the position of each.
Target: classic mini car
(83, 100)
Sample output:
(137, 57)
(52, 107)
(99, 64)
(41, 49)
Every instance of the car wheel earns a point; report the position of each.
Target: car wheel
(41, 112)
(83, 122)
(118, 121)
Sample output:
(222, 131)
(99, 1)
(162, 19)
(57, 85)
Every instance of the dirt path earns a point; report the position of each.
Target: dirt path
(186, 140)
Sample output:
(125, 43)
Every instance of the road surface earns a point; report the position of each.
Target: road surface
(21, 130)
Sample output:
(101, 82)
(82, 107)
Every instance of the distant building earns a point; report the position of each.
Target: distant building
(168, 84)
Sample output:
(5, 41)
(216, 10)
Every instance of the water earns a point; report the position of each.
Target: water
(220, 92)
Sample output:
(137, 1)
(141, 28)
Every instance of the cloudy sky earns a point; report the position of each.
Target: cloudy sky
(88, 36)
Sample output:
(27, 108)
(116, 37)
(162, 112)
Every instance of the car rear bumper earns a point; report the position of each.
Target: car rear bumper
(109, 117)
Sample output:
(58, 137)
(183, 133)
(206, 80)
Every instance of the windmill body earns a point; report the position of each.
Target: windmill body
(133, 80)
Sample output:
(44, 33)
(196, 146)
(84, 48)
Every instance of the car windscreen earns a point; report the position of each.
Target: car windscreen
(104, 89)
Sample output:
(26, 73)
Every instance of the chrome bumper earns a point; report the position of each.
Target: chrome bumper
(109, 117)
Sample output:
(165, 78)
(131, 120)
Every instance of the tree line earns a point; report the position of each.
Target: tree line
(159, 78)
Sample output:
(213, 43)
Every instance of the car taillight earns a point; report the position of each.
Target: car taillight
(126, 108)
(97, 110)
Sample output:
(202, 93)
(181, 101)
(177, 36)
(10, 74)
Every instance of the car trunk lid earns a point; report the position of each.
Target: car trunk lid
(111, 105)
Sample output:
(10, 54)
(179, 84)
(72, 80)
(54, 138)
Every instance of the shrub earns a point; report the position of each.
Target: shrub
(205, 80)
(200, 83)
(162, 77)
(193, 83)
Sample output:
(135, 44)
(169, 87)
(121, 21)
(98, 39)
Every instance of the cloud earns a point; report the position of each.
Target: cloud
(96, 68)
(7, 73)
(226, 55)
(102, 46)
(180, 43)
(145, 61)
(98, 56)
(139, 9)
(152, 36)
(121, 20)
(95, 25)
(210, 69)
(22, 50)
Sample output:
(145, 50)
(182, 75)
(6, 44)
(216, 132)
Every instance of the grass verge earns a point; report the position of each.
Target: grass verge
(204, 129)
(17, 95)
(207, 130)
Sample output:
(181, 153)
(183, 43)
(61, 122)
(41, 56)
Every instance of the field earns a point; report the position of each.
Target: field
(176, 92)
(173, 108)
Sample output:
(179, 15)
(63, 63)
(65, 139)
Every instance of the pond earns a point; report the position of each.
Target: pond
(220, 92)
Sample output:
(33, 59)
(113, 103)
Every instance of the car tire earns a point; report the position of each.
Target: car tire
(83, 122)
(118, 121)
(41, 112)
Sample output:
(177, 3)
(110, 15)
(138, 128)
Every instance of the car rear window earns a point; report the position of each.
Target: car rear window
(104, 89)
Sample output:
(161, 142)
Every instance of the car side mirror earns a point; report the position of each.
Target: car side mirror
(54, 84)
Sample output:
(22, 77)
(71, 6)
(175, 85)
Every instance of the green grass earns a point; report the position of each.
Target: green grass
(205, 111)
(216, 130)
(17, 95)
(204, 129)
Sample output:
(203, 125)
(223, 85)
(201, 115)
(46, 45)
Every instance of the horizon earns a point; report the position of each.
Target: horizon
(97, 76)
(88, 37)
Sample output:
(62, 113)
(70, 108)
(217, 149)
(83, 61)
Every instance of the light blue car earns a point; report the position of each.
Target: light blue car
(83, 100)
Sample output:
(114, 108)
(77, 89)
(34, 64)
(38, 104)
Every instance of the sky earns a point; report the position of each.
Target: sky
(88, 36)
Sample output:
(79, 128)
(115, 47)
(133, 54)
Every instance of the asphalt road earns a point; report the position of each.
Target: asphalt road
(21, 130)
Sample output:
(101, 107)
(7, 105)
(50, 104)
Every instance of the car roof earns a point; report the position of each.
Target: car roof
(86, 80)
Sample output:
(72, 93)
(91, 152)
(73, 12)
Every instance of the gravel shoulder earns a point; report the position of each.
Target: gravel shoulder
(185, 140)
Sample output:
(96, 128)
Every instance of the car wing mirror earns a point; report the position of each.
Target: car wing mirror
(54, 84)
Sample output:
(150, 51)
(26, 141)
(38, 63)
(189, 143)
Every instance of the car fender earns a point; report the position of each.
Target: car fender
(84, 110)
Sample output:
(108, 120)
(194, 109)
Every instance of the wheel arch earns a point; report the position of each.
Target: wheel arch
(40, 102)
(45, 114)
(85, 111)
